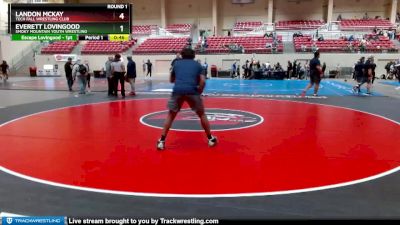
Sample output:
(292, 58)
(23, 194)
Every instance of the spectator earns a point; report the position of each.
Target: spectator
(307, 69)
(278, 67)
(294, 72)
(274, 46)
(257, 70)
(233, 69)
(350, 47)
(323, 69)
(118, 72)
(391, 34)
(131, 74)
(4, 70)
(385, 34)
(299, 70)
(68, 73)
(314, 47)
(80, 70)
(268, 66)
(387, 68)
(88, 74)
(188, 43)
(392, 70)
(303, 48)
(149, 68)
(253, 68)
(246, 69)
(205, 68)
(178, 57)
(289, 70)
(107, 68)
(241, 49)
(338, 69)
(204, 44)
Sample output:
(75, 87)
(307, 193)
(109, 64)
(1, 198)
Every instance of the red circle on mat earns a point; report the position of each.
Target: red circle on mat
(104, 146)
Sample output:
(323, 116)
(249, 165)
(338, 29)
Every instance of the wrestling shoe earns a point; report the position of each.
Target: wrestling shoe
(212, 141)
(160, 145)
(356, 90)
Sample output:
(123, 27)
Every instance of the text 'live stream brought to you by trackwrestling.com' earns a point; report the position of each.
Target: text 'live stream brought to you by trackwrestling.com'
(63, 220)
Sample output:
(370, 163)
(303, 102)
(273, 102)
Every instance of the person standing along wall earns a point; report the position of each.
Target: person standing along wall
(68, 73)
(289, 70)
(323, 69)
(149, 68)
(118, 72)
(4, 70)
(80, 71)
(233, 70)
(88, 74)
(205, 68)
(110, 83)
(373, 67)
(131, 74)
(246, 69)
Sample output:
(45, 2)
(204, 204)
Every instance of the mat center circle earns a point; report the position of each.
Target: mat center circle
(220, 120)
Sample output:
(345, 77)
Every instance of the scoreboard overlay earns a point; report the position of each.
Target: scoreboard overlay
(57, 22)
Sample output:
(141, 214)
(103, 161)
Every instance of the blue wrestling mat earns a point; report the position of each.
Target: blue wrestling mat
(269, 87)
(392, 83)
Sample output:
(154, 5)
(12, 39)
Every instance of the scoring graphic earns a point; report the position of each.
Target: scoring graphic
(29, 19)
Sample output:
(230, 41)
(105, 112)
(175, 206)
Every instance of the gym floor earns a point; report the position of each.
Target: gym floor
(280, 156)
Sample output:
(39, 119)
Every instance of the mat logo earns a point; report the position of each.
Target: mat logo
(9, 220)
(220, 119)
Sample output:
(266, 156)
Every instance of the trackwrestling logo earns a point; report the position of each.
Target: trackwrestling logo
(220, 119)
(34, 220)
